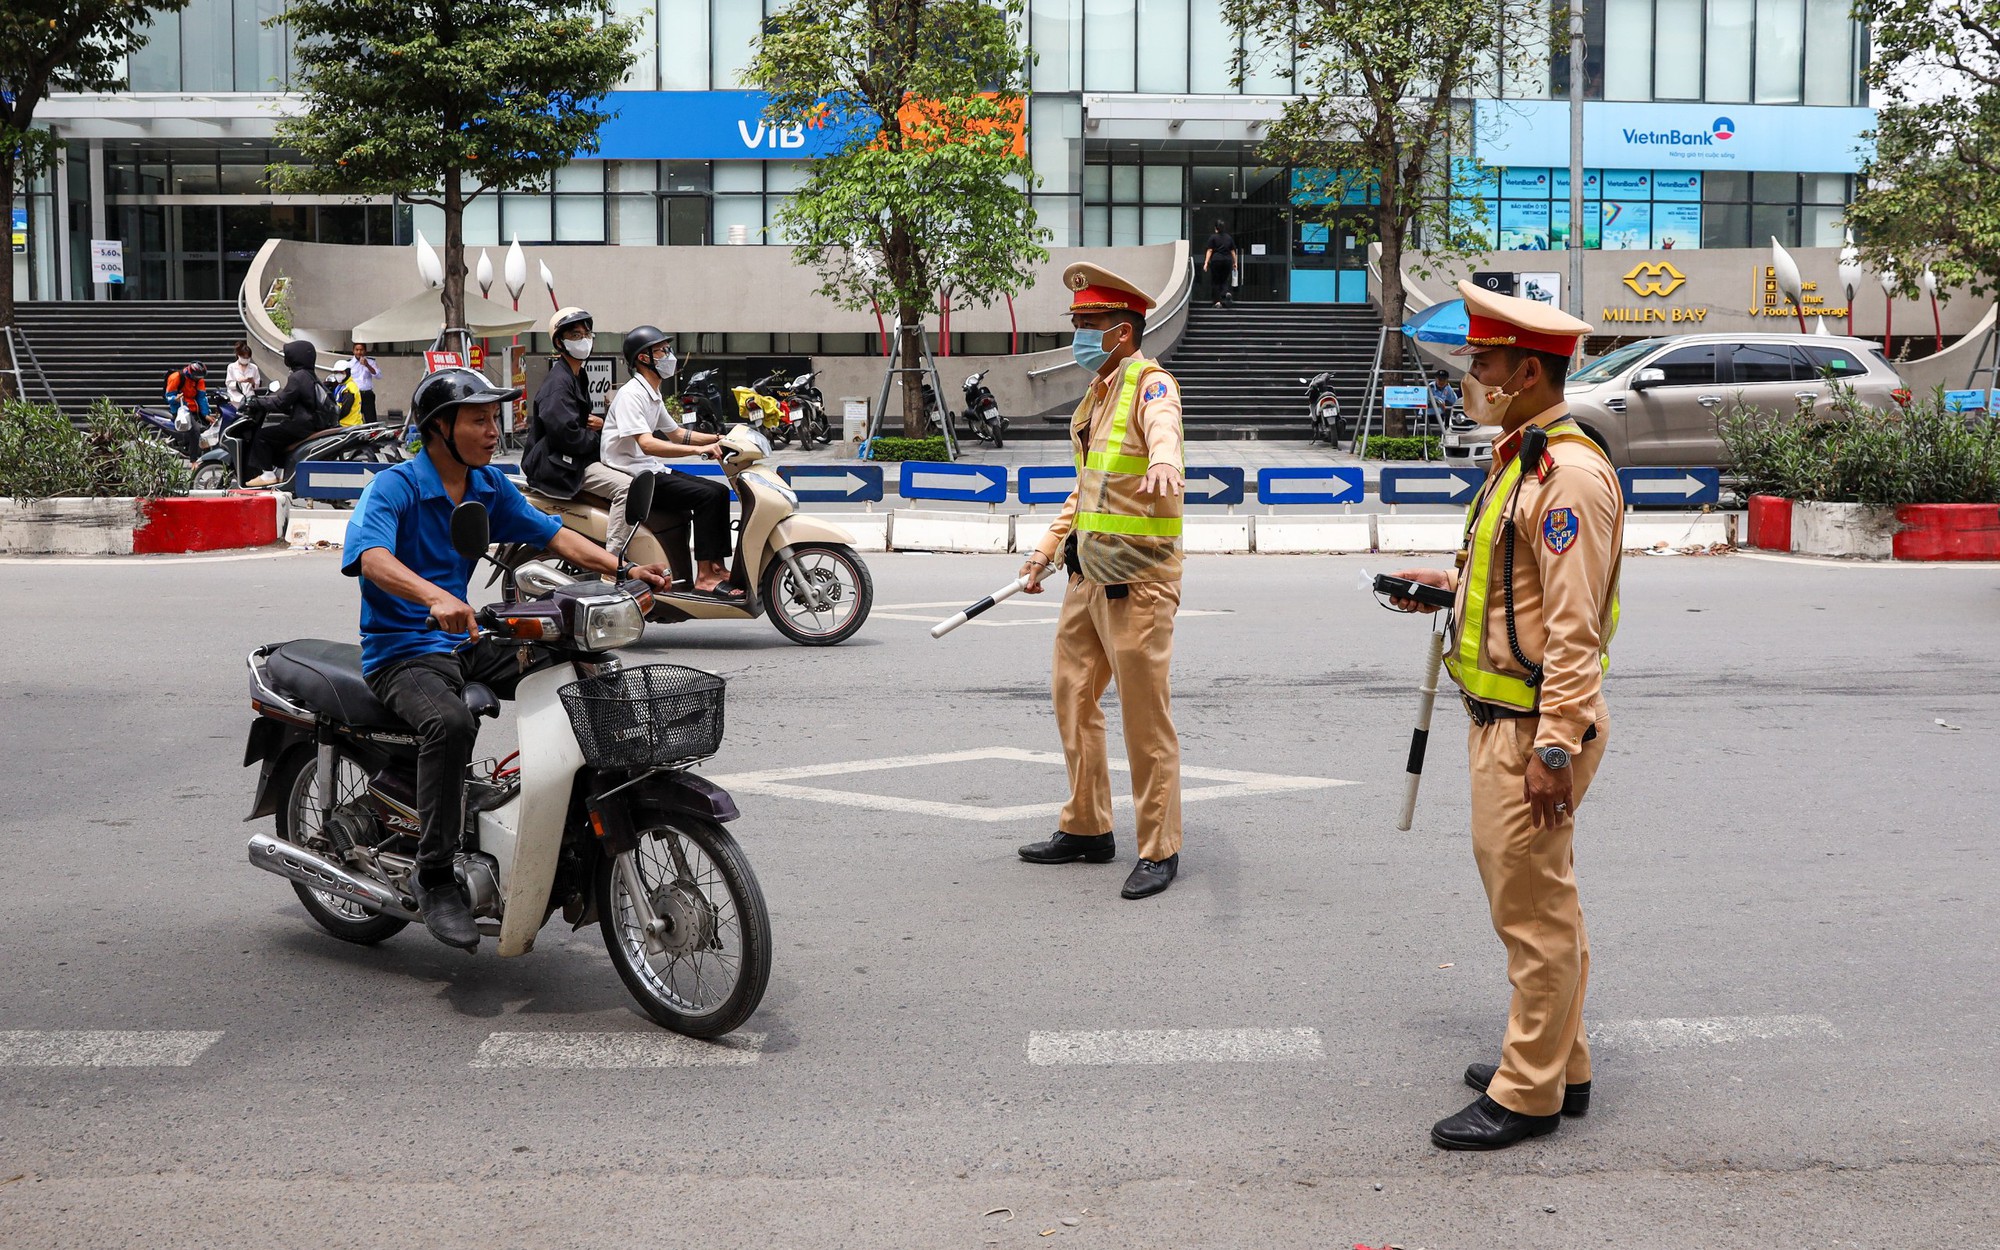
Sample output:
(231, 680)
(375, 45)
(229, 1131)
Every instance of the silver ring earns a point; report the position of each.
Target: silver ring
(1562, 807)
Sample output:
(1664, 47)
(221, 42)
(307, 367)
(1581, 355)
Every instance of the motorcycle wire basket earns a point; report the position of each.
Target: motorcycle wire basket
(653, 716)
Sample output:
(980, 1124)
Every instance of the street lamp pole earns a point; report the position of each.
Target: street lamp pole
(1575, 241)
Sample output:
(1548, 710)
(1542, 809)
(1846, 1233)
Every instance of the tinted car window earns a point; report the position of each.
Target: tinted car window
(1688, 366)
(1842, 363)
(1769, 362)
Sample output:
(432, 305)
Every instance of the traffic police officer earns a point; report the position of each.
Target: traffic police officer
(1120, 535)
(1536, 604)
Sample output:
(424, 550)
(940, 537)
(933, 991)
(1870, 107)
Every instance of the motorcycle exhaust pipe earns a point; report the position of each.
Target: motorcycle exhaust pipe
(295, 863)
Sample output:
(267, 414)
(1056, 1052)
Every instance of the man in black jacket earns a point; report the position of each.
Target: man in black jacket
(295, 412)
(561, 461)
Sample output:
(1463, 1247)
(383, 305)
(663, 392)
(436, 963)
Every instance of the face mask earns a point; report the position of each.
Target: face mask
(1488, 404)
(579, 349)
(665, 364)
(1088, 348)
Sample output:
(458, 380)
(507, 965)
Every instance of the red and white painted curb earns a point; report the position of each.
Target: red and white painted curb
(1922, 531)
(207, 521)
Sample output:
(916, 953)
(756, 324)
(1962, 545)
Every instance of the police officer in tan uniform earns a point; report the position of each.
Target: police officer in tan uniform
(1537, 602)
(1119, 536)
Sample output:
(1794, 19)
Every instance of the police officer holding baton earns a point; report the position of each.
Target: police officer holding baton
(1535, 605)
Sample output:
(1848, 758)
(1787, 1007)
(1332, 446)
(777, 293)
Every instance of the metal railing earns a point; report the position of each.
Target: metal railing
(17, 345)
(1187, 293)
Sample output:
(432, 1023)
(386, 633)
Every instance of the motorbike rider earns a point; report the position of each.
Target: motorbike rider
(561, 461)
(639, 433)
(295, 412)
(420, 646)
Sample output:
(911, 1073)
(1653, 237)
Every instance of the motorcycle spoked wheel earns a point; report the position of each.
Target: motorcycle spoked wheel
(210, 477)
(298, 824)
(838, 568)
(705, 972)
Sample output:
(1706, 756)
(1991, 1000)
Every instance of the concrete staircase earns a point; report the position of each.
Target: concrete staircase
(123, 349)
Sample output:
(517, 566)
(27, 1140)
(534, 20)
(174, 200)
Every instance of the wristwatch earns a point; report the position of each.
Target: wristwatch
(1554, 759)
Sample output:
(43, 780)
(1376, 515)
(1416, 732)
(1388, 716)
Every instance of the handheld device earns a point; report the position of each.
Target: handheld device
(1404, 588)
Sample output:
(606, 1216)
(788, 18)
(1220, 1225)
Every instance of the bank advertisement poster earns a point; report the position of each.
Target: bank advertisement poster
(1677, 184)
(1677, 226)
(1524, 225)
(1628, 226)
(1525, 184)
(1559, 223)
(1628, 184)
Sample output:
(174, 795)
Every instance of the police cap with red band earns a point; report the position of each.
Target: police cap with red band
(1495, 320)
(1093, 288)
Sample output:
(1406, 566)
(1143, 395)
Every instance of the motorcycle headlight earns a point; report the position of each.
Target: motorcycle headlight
(607, 622)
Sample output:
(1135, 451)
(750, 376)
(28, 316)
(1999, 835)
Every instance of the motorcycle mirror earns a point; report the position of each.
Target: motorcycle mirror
(470, 531)
(639, 498)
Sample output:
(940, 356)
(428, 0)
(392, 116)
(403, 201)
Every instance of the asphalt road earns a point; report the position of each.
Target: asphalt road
(1788, 868)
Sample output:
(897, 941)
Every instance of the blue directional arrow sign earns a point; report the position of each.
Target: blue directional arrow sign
(959, 483)
(1325, 484)
(332, 479)
(1684, 487)
(1045, 483)
(835, 483)
(702, 469)
(1216, 484)
(1430, 484)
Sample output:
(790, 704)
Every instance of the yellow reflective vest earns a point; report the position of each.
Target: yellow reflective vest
(1123, 535)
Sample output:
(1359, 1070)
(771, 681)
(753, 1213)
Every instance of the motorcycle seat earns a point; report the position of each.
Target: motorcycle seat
(325, 677)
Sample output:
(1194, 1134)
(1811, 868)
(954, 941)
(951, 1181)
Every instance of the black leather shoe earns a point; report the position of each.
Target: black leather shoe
(1486, 1125)
(1067, 848)
(445, 914)
(1576, 1098)
(1150, 876)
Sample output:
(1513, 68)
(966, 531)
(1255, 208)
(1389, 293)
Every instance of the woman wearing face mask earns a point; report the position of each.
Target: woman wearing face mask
(1120, 532)
(243, 378)
(561, 460)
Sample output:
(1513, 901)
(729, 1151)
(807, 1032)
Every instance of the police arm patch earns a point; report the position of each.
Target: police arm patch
(1158, 390)
(1559, 529)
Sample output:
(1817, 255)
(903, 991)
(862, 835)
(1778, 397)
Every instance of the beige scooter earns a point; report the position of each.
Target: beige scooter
(799, 570)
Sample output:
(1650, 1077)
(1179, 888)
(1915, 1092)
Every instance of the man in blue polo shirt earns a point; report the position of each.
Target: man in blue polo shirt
(399, 544)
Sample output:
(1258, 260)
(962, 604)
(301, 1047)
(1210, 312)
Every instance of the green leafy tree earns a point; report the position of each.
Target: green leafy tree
(45, 46)
(932, 199)
(1931, 191)
(1381, 85)
(442, 101)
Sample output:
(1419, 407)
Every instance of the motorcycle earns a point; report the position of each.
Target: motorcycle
(703, 405)
(597, 815)
(1323, 406)
(982, 412)
(802, 572)
(226, 464)
(187, 432)
(803, 410)
(760, 404)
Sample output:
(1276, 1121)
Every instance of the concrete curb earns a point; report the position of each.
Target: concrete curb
(971, 532)
(208, 521)
(1306, 535)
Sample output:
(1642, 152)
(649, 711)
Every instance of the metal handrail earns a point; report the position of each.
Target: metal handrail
(17, 342)
(1187, 293)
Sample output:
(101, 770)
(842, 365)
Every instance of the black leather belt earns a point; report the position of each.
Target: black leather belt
(1074, 564)
(1483, 713)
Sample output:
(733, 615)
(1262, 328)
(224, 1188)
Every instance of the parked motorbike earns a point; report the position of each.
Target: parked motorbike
(804, 411)
(1323, 406)
(226, 464)
(703, 405)
(982, 412)
(186, 431)
(802, 572)
(759, 404)
(597, 815)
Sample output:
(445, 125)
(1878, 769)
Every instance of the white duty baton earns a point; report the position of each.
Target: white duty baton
(1001, 595)
(1421, 735)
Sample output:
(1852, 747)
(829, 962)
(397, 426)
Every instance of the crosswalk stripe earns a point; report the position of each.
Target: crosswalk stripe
(1677, 1034)
(92, 1048)
(1155, 1046)
(616, 1050)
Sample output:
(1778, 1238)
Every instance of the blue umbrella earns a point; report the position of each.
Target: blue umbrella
(1440, 323)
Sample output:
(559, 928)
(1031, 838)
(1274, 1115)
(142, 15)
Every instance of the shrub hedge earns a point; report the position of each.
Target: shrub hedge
(1853, 453)
(885, 448)
(1376, 447)
(44, 455)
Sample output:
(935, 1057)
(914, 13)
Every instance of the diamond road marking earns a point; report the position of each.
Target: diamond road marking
(81, 1048)
(1108, 1047)
(778, 783)
(616, 1050)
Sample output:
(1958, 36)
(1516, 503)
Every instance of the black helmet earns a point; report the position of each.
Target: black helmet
(196, 371)
(443, 391)
(641, 339)
(300, 354)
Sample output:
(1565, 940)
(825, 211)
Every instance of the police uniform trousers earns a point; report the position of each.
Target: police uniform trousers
(1530, 880)
(1131, 641)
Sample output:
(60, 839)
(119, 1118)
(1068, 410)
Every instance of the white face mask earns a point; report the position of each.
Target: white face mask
(1488, 404)
(664, 364)
(579, 349)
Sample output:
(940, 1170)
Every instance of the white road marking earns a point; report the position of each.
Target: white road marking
(616, 1050)
(777, 782)
(155, 560)
(1677, 1034)
(1156, 1046)
(92, 1048)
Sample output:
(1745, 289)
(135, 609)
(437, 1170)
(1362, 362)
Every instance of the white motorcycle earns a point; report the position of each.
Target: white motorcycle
(597, 815)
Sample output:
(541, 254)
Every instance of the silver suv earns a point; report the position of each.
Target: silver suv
(1655, 402)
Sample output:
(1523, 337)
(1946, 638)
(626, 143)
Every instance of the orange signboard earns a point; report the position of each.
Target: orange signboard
(927, 116)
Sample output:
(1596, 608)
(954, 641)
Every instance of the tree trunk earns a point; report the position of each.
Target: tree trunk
(1391, 226)
(916, 422)
(7, 361)
(454, 258)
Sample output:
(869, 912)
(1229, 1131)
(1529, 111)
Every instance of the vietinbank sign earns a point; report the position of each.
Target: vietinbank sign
(1693, 136)
(715, 126)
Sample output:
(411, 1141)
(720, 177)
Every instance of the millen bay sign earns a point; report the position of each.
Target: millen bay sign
(1660, 280)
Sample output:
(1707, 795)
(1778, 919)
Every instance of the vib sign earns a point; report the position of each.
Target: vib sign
(714, 126)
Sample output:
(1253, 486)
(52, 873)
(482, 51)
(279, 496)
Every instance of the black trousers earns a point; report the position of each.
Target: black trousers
(425, 692)
(273, 439)
(705, 501)
(368, 407)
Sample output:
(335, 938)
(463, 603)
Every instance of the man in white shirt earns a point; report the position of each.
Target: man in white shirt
(640, 435)
(364, 370)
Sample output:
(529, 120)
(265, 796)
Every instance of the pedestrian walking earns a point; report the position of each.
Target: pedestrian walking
(1536, 603)
(363, 369)
(1219, 262)
(1120, 538)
